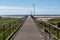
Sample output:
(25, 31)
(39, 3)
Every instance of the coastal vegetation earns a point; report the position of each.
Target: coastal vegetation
(51, 27)
(7, 26)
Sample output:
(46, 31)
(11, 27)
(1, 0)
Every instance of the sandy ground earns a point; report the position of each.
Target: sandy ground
(45, 18)
(13, 16)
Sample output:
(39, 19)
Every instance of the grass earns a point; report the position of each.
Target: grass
(53, 30)
(9, 24)
(54, 21)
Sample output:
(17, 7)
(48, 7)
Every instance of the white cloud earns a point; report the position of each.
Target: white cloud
(12, 10)
(20, 10)
(8, 7)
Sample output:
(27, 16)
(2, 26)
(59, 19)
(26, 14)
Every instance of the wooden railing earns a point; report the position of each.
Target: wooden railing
(7, 30)
(51, 32)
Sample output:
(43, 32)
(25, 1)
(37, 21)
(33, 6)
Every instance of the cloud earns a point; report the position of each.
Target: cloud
(14, 9)
(9, 7)
(23, 10)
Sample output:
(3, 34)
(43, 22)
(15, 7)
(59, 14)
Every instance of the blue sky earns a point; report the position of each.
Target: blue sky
(18, 7)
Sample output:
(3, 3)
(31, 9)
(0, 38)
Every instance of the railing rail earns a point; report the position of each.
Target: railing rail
(9, 27)
(52, 25)
(50, 30)
(16, 30)
(47, 27)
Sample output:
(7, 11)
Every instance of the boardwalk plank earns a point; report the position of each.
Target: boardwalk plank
(29, 31)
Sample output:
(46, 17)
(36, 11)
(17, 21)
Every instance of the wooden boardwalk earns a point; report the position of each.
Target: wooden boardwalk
(29, 31)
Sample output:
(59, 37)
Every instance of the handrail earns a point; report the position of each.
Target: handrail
(15, 31)
(53, 25)
(49, 32)
(10, 26)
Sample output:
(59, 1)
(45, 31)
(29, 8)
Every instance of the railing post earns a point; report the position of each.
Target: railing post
(58, 34)
(3, 33)
(49, 32)
(9, 27)
(58, 25)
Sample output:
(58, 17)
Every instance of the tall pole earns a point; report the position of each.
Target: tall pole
(34, 9)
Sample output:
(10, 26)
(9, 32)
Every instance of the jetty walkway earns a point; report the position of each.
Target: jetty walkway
(29, 31)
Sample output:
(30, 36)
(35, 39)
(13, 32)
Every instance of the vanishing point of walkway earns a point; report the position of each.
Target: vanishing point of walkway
(29, 31)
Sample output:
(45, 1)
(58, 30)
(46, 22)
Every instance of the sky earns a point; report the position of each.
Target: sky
(24, 7)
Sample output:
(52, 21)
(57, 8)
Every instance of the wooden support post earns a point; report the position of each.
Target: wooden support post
(57, 34)
(9, 28)
(3, 33)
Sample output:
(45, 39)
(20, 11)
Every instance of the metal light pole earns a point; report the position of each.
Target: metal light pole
(34, 9)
